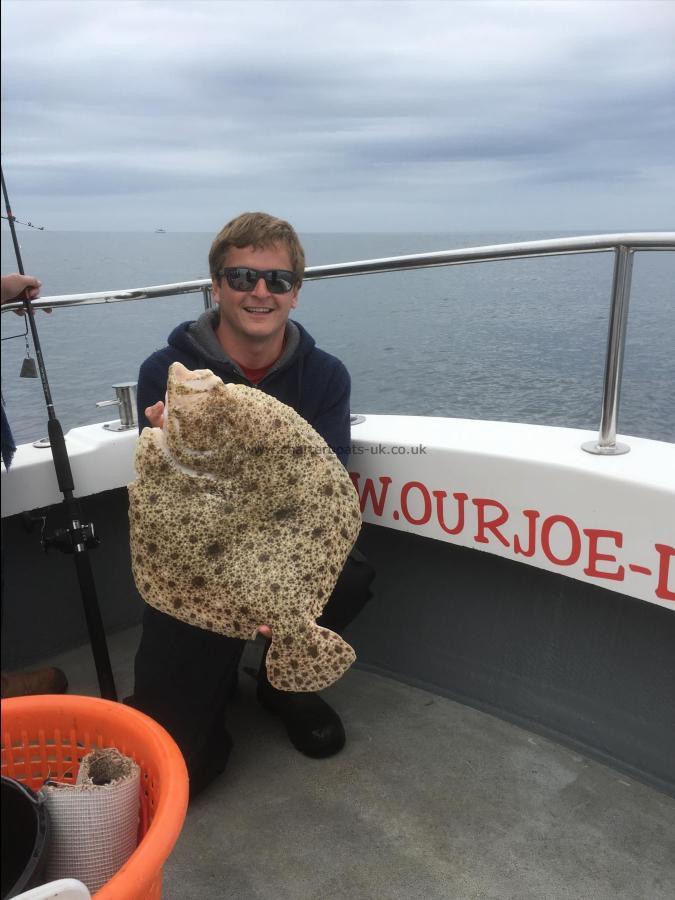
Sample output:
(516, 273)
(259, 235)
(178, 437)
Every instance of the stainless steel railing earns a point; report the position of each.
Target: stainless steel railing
(624, 246)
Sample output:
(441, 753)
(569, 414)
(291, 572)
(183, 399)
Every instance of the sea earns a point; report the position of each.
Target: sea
(517, 340)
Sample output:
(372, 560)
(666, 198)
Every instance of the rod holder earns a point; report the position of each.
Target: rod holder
(126, 401)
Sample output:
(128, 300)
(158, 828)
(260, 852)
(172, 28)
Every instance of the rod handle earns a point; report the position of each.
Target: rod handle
(60, 455)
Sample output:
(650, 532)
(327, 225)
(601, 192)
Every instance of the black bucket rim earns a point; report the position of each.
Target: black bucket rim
(38, 856)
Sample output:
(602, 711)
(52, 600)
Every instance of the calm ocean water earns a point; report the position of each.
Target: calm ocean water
(521, 340)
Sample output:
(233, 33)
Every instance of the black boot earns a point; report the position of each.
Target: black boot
(313, 727)
(42, 681)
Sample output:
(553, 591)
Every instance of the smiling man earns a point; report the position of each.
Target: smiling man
(255, 292)
(184, 676)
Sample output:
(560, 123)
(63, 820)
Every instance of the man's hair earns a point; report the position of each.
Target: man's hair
(258, 230)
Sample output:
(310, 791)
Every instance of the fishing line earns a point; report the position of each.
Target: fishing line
(29, 224)
(28, 367)
(59, 447)
(78, 536)
(23, 334)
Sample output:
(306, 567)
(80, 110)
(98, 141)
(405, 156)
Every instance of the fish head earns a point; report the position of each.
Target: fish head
(194, 423)
(208, 425)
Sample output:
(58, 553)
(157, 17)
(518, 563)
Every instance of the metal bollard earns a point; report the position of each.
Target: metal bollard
(126, 400)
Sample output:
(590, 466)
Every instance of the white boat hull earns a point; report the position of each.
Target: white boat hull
(522, 492)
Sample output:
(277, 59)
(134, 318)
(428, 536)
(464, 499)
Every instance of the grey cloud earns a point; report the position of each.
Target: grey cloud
(98, 180)
(150, 97)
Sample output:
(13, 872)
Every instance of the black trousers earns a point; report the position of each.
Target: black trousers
(184, 675)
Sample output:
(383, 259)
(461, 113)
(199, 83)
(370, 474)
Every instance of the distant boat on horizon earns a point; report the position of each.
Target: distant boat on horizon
(160, 230)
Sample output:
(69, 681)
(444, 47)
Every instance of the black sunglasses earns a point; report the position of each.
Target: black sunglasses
(242, 278)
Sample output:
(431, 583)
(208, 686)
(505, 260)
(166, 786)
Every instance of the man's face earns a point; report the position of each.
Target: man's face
(257, 315)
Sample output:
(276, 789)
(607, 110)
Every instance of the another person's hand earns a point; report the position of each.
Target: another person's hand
(13, 286)
(155, 415)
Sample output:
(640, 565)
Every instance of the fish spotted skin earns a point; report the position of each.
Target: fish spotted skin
(241, 515)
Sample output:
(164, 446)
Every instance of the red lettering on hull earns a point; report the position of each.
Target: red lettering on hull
(666, 553)
(484, 524)
(531, 515)
(575, 537)
(594, 555)
(369, 494)
(551, 537)
(461, 505)
(426, 499)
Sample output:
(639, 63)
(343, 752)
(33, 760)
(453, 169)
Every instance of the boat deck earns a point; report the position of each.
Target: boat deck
(429, 799)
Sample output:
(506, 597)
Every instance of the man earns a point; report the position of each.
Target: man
(184, 676)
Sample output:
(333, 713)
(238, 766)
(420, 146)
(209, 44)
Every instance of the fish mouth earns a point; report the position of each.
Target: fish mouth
(199, 380)
(192, 384)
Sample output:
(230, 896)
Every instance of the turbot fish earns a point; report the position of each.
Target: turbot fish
(241, 516)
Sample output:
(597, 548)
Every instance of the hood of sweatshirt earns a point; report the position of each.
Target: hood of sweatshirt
(199, 339)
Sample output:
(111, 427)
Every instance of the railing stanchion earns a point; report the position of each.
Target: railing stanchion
(208, 300)
(606, 444)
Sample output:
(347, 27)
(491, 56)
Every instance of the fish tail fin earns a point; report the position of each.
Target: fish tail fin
(310, 664)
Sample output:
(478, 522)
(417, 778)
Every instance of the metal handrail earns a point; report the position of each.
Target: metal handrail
(623, 245)
(523, 250)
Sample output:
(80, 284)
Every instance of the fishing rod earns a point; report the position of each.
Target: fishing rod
(77, 537)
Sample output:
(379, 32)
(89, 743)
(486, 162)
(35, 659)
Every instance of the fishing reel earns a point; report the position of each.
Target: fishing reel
(77, 537)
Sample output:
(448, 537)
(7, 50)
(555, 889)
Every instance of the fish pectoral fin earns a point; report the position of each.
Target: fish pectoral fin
(311, 662)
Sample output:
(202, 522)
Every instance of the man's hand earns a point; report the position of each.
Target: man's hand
(155, 415)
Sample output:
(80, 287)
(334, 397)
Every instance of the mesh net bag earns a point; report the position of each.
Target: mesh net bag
(94, 822)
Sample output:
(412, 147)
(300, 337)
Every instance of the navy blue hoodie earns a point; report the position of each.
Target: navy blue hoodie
(314, 383)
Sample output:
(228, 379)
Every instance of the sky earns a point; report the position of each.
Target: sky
(353, 116)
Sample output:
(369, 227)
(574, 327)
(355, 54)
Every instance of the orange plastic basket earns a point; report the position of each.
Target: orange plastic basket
(47, 736)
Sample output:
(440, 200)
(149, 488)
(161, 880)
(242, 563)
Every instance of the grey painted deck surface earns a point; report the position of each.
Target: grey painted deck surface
(429, 800)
